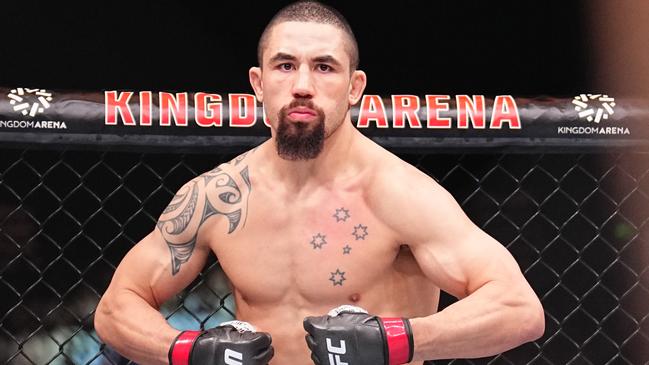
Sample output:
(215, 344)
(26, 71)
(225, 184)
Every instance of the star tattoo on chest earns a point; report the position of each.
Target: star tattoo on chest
(360, 232)
(337, 277)
(341, 215)
(346, 250)
(318, 241)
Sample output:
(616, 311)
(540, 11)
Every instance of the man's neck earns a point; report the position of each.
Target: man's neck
(335, 160)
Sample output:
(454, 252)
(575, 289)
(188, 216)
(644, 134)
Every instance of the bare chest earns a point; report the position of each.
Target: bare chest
(325, 248)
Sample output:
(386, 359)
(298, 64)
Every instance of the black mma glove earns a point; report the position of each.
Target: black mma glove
(231, 343)
(348, 335)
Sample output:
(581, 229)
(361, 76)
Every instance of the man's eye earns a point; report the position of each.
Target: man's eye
(324, 68)
(286, 66)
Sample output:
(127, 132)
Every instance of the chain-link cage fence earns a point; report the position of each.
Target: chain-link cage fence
(576, 224)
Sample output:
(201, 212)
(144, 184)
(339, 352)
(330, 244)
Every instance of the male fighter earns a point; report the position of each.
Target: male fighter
(316, 217)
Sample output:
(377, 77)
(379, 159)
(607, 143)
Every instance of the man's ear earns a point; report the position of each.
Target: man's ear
(254, 74)
(357, 86)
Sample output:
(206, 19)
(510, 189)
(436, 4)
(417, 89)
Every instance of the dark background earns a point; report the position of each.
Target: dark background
(576, 223)
(417, 47)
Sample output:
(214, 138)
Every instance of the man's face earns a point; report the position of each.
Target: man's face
(305, 84)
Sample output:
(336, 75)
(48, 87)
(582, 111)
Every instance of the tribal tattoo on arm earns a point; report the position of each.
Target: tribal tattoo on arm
(222, 191)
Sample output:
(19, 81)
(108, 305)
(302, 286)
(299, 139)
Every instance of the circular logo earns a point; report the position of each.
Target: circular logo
(594, 107)
(29, 101)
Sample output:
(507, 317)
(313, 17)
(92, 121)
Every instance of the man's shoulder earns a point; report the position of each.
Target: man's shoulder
(213, 196)
(414, 205)
(392, 173)
(232, 173)
(397, 185)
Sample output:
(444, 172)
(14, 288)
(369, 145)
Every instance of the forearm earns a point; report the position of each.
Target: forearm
(493, 319)
(134, 328)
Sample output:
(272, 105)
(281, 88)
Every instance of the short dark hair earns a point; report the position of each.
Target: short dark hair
(313, 12)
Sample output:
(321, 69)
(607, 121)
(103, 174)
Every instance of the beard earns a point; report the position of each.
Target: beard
(300, 140)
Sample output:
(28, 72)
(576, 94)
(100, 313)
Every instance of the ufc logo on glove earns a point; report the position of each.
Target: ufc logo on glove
(216, 346)
(232, 357)
(335, 352)
(364, 339)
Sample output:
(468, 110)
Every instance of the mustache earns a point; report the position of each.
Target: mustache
(307, 103)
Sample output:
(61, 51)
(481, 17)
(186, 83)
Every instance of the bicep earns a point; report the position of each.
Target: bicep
(172, 255)
(451, 250)
(147, 270)
(460, 258)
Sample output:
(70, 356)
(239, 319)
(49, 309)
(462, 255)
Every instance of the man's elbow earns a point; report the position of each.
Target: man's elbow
(533, 321)
(102, 319)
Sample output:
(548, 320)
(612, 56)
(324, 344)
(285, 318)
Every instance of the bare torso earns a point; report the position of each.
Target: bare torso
(298, 238)
(299, 255)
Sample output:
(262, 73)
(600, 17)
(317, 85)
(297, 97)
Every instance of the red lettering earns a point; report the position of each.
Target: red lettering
(372, 109)
(435, 104)
(405, 107)
(473, 109)
(249, 109)
(173, 106)
(145, 107)
(505, 111)
(208, 110)
(114, 104)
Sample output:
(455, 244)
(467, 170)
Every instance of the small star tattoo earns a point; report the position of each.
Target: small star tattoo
(346, 250)
(360, 231)
(337, 277)
(318, 241)
(341, 214)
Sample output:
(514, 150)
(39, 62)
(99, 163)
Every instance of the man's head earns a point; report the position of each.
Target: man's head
(311, 12)
(307, 77)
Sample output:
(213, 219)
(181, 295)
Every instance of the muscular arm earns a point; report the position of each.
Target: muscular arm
(497, 310)
(127, 316)
(166, 261)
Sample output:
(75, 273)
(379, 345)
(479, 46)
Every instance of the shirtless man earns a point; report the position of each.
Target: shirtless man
(316, 217)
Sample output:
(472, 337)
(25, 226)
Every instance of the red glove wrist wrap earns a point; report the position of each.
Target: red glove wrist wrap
(181, 348)
(399, 340)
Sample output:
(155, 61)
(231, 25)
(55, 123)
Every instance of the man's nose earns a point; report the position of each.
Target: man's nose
(303, 85)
